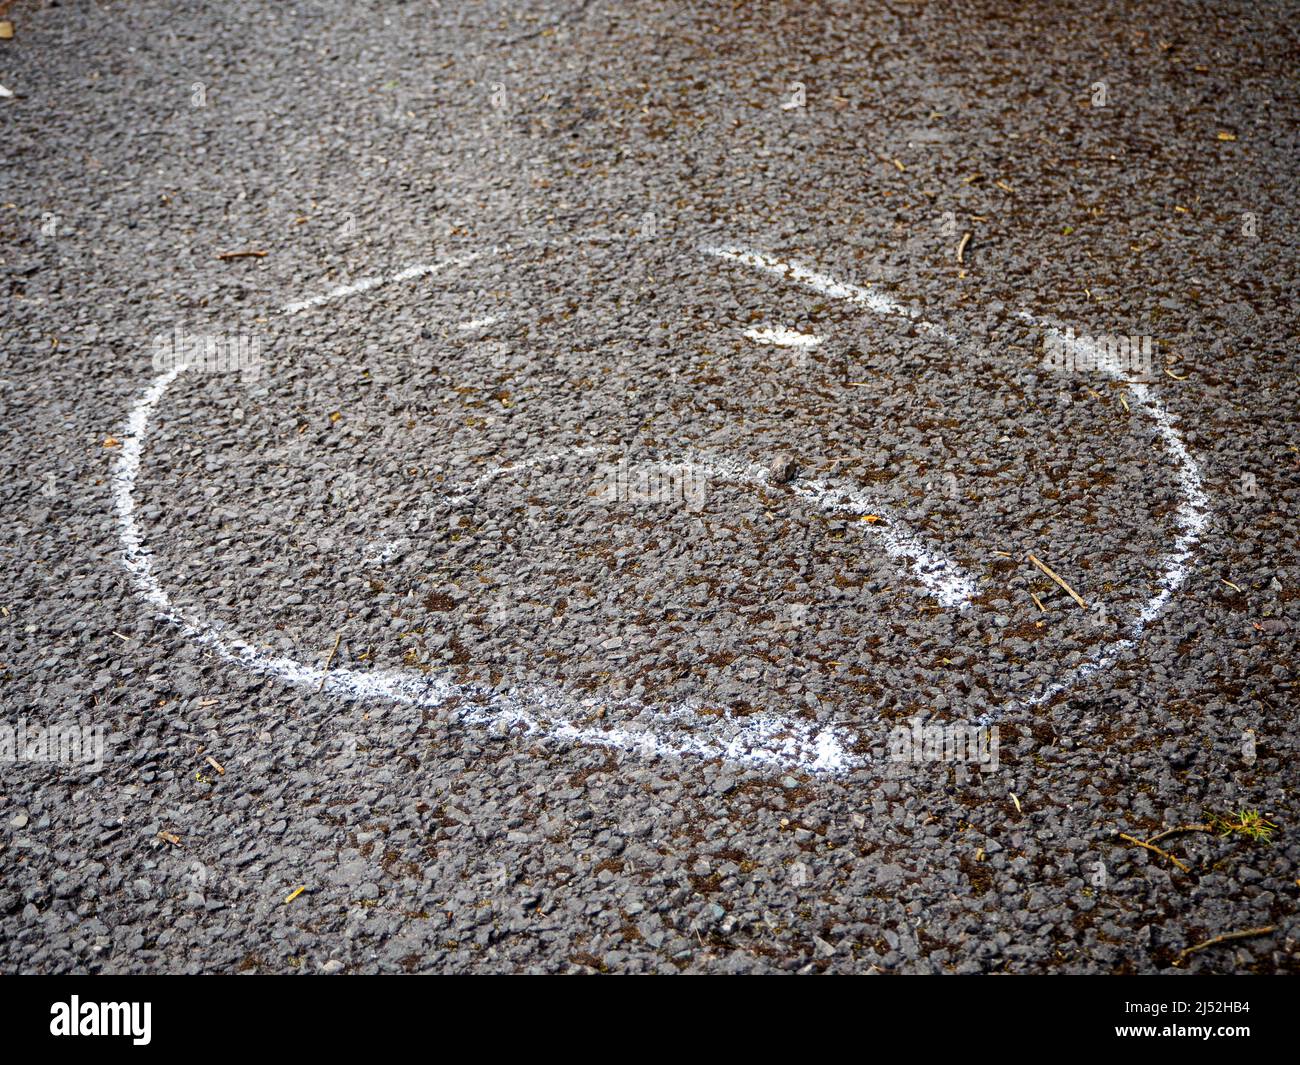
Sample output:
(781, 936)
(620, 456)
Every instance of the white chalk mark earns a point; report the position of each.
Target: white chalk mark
(526, 464)
(760, 740)
(368, 283)
(477, 323)
(783, 338)
(125, 472)
(757, 739)
(1192, 515)
(947, 582)
(876, 302)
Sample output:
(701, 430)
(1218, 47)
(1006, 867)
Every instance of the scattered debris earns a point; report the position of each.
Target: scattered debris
(1224, 135)
(294, 894)
(112, 441)
(1234, 587)
(961, 248)
(216, 765)
(1247, 823)
(6, 30)
(170, 837)
(1017, 802)
(226, 255)
(1227, 937)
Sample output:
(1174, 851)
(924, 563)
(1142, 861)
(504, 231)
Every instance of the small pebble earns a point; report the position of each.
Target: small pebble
(782, 469)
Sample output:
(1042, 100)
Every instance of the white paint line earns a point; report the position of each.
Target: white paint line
(783, 338)
(477, 323)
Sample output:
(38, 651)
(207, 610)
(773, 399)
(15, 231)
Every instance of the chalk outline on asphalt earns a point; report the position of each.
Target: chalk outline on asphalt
(1192, 515)
(758, 739)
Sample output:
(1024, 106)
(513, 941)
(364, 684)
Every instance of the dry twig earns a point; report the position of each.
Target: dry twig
(1180, 829)
(1227, 937)
(1049, 571)
(1155, 849)
(329, 661)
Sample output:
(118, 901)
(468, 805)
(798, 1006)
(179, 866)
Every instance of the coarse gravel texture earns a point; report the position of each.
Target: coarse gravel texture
(412, 484)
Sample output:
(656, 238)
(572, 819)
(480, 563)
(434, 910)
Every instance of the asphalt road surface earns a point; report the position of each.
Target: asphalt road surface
(649, 487)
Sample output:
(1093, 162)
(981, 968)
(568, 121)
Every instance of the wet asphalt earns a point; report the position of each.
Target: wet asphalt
(501, 598)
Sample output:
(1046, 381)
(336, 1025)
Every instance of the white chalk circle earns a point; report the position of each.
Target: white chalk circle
(758, 739)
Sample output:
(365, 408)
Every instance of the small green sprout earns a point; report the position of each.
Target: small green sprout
(1249, 823)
